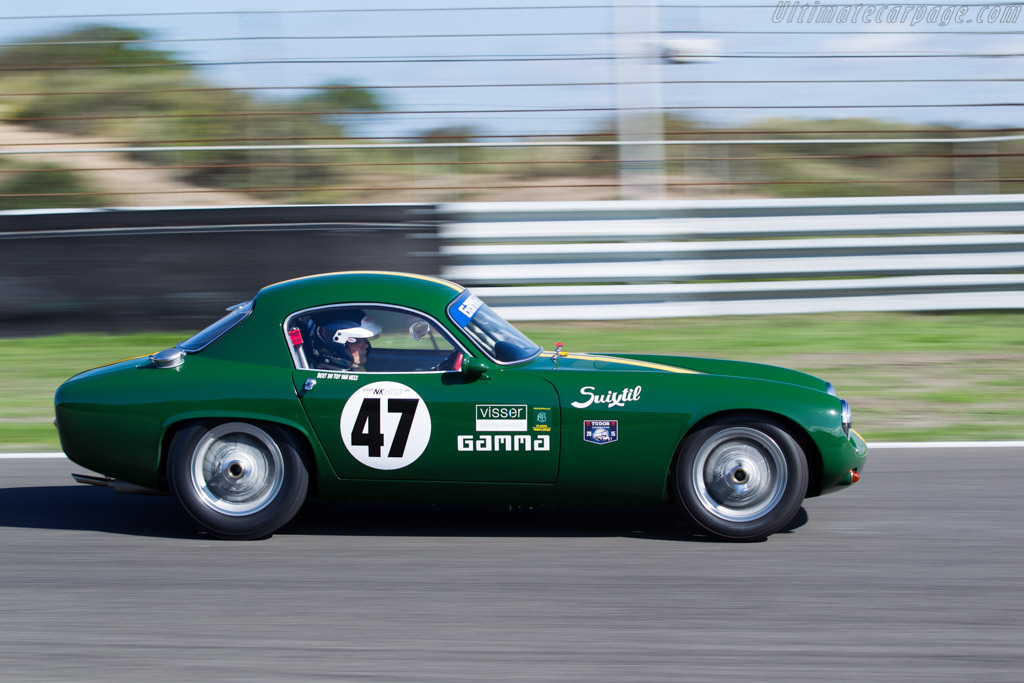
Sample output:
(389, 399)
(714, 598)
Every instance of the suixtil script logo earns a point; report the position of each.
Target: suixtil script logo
(612, 398)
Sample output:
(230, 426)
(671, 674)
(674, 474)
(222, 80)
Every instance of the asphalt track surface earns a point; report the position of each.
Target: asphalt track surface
(915, 573)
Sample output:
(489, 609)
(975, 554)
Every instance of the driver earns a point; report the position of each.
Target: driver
(345, 341)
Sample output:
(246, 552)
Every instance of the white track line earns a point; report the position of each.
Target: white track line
(881, 445)
(946, 444)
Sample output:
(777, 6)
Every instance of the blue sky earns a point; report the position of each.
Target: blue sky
(316, 36)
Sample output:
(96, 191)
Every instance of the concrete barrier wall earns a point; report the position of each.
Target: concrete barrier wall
(177, 269)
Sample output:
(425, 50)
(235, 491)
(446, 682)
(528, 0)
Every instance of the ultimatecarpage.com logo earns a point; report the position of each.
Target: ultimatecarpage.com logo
(911, 15)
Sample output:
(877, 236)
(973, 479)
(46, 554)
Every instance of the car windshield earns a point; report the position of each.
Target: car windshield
(204, 338)
(492, 333)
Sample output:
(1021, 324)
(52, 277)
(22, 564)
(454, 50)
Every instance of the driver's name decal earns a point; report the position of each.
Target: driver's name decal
(336, 375)
(612, 398)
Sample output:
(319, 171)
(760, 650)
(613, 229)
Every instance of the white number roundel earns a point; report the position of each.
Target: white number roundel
(385, 425)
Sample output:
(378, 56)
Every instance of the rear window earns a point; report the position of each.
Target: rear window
(201, 340)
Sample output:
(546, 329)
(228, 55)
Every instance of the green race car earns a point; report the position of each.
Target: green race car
(395, 387)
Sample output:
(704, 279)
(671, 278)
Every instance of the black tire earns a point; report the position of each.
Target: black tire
(741, 479)
(238, 480)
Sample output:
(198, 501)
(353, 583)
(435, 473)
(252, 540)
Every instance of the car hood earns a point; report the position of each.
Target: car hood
(613, 362)
(111, 367)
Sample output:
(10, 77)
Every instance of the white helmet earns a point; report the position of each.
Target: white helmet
(346, 331)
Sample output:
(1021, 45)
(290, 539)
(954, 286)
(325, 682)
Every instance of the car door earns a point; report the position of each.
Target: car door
(407, 414)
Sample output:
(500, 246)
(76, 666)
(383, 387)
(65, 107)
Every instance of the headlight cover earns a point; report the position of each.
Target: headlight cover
(847, 416)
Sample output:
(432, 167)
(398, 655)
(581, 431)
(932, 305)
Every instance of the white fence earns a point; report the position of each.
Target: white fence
(621, 260)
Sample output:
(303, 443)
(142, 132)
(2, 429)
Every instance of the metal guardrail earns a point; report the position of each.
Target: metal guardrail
(621, 260)
(174, 268)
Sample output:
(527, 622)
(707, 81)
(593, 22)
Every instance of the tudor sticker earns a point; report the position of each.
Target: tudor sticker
(385, 425)
(610, 398)
(601, 431)
(501, 418)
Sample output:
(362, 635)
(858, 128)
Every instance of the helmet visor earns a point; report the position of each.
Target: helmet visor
(367, 328)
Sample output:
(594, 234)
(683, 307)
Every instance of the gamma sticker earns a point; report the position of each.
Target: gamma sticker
(385, 425)
(601, 431)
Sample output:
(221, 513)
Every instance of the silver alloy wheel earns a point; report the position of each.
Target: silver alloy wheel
(237, 469)
(739, 474)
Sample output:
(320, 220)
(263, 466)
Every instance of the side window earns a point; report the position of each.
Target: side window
(368, 339)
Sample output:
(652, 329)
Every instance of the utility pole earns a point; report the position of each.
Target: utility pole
(638, 99)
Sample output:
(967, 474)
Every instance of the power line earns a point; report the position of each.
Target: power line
(349, 10)
(224, 39)
(431, 139)
(964, 32)
(442, 86)
(776, 5)
(465, 188)
(68, 66)
(44, 66)
(500, 144)
(420, 9)
(522, 110)
(430, 36)
(531, 162)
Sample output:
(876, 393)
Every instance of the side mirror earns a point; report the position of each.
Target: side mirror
(418, 330)
(474, 367)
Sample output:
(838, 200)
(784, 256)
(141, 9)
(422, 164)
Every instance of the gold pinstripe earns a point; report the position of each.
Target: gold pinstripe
(636, 363)
(105, 365)
(452, 285)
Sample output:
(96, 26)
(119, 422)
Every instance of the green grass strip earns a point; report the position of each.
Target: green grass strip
(908, 376)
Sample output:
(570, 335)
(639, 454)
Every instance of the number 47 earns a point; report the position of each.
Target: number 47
(366, 430)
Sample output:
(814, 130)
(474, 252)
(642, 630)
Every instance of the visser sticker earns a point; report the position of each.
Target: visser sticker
(612, 399)
(500, 418)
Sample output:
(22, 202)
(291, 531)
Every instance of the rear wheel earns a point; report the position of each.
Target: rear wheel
(238, 479)
(742, 480)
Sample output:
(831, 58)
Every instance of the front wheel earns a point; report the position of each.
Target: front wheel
(237, 479)
(741, 480)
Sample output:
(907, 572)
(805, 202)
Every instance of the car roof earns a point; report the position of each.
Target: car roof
(429, 294)
(258, 338)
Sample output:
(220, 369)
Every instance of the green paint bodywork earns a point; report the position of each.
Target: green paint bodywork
(119, 419)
